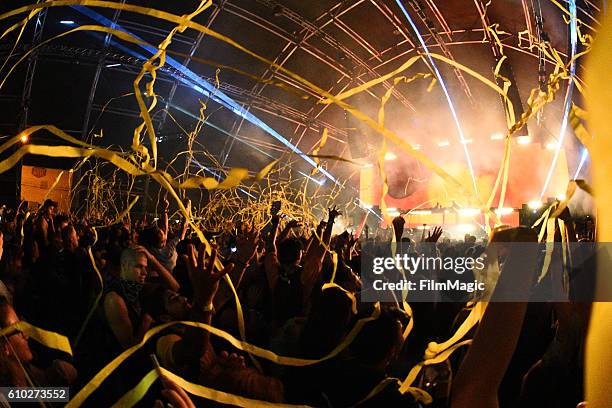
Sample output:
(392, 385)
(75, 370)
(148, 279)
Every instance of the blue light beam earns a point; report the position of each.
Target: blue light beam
(208, 89)
(445, 90)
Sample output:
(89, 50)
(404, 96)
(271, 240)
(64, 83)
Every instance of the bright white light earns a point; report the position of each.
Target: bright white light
(314, 179)
(468, 212)
(444, 143)
(551, 146)
(198, 88)
(24, 139)
(112, 65)
(466, 228)
(390, 156)
(423, 227)
(368, 165)
(391, 209)
(67, 22)
(321, 181)
(416, 146)
(467, 141)
(523, 140)
(585, 154)
(561, 197)
(534, 204)
(393, 213)
(367, 206)
(233, 249)
(497, 136)
(420, 212)
(504, 211)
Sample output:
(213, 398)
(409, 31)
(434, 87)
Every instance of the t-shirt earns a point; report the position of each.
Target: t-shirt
(167, 255)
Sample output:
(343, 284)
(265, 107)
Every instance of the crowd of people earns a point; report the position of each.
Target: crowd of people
(105, 286)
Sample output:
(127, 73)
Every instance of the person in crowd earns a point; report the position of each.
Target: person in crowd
(150, 275)
(44, 227)
(163, 247)
(121, 304)
(16, 358)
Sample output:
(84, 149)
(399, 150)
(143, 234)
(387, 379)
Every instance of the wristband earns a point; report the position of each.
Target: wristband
(209, 308)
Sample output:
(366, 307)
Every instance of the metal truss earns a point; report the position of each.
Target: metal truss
(31, 69)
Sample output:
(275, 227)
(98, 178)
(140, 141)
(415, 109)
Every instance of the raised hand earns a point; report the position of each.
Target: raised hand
(144, 251)
(175, 394)
(293, 224)
(434, 235)
(333, 213)
(203, 277)
(399, 222)
(246, 244)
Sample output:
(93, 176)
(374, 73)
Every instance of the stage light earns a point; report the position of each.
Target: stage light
(112, 65)
(420, 212)
(24, 139)
(321, 181)
(391, 209)
(534, 204)
(466, 228)
(444, 143)
(551, 146)
(504, 211)
(67, 22)
(523, 140)
(561, 197)
(497, 136)
(367, 206)
(468, 212)
(423, 227)
(467, 141)
(390, 156)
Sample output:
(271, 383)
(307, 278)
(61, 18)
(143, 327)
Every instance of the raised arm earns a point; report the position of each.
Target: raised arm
(164, 218)
(288, 228)
(164, 274)
(205, 281)
(271, 263)
(185, 224)
(485, 364)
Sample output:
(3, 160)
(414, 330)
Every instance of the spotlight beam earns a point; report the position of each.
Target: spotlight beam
(209, 89)
(444, 89)
(568, 93)
(585, 154)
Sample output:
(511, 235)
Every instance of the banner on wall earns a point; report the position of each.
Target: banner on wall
(39, 183)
